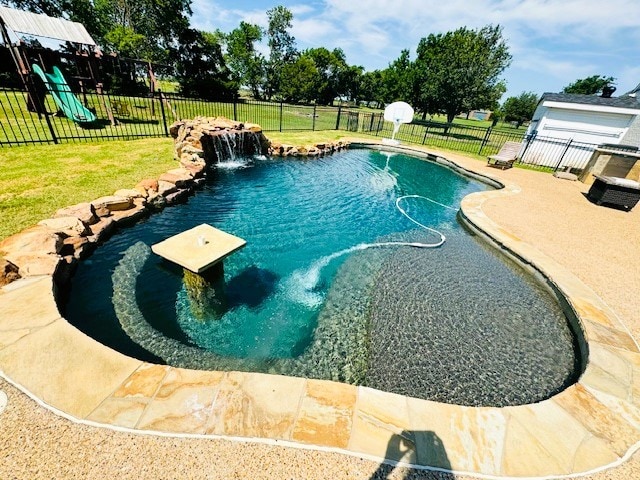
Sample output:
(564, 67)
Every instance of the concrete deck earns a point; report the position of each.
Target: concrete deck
(592, 425)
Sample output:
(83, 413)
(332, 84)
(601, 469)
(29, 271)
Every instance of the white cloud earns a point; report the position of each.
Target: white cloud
(542, 63)
(314, 32)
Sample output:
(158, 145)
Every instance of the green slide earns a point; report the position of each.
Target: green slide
(66, 101)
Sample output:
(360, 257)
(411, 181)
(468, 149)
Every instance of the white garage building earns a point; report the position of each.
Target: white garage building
(567, 127)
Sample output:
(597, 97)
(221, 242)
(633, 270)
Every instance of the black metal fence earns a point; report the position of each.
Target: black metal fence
(465, 138)
(549, 153)
(36, 117)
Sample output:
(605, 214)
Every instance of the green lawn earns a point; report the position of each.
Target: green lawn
(38, 180)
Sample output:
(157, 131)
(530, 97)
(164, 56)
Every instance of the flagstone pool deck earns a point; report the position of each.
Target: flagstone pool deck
(547, 223)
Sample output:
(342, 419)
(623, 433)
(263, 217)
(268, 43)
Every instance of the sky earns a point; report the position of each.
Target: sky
(553, 42)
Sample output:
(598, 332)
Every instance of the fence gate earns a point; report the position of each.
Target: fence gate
(352, 121)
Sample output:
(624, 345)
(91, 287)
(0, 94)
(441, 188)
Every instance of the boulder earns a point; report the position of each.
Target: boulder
(190, 150)
(253, 127)
(177, 196)
(148, 185)
(66, 226)
(85, 212)
(35, 240)
(8, 272)
(113, 203)
(33, 264)
(223, 123)
(128, 193)
(128, 217)
(166, 188)
(196, 169)
(175, 128)
(180, 177)
(77, 247)
(157, 201)
(102, 230)
(103, 211)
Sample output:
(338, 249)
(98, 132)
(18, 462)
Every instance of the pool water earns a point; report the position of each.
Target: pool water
(324, 288)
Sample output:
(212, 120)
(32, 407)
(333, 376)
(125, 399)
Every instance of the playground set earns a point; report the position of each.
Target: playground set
(40, 70)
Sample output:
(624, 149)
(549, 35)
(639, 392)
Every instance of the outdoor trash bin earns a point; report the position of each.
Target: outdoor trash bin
(619, 192)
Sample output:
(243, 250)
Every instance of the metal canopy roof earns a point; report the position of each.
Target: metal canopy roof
(41, 25)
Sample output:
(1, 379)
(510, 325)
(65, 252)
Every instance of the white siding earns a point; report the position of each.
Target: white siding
(584, 126)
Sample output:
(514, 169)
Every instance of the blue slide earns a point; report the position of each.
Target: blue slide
(61, 92)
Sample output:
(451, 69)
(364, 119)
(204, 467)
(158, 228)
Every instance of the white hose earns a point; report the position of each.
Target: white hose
(308, 279)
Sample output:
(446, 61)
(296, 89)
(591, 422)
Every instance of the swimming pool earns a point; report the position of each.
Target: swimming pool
(311, 296)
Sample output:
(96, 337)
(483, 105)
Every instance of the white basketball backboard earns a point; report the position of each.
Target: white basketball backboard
(398, 112)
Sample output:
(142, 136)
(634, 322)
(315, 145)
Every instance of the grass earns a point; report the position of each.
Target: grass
(38, 180)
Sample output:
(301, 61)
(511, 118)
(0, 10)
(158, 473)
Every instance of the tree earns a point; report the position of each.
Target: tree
(300, 80)
(161, 23)
(332, 73)
(282, 49)
(459, 70)
(398, 80)
(201, 69)
(126, 41)
(521, 108)
(371, 87)
(246, 64)
(588, 86)
(352, 83)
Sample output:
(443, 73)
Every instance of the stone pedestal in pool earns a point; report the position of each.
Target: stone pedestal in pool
(201, 251)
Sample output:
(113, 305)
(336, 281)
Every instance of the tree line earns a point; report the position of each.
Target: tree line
(452, 72)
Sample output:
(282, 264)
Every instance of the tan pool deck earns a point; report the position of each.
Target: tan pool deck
(591, 426)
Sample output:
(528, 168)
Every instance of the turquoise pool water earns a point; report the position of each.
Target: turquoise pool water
(323, 289)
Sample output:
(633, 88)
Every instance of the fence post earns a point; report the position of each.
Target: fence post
(235, 108)
(281, 105)
(563, 154)
(41, 108)
(338, 117)
(530, 139)
(164, 118)
(485, 140)
(313, 124)
(426, 131)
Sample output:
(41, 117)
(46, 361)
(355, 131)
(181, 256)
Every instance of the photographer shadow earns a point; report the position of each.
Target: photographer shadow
(415, 447)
